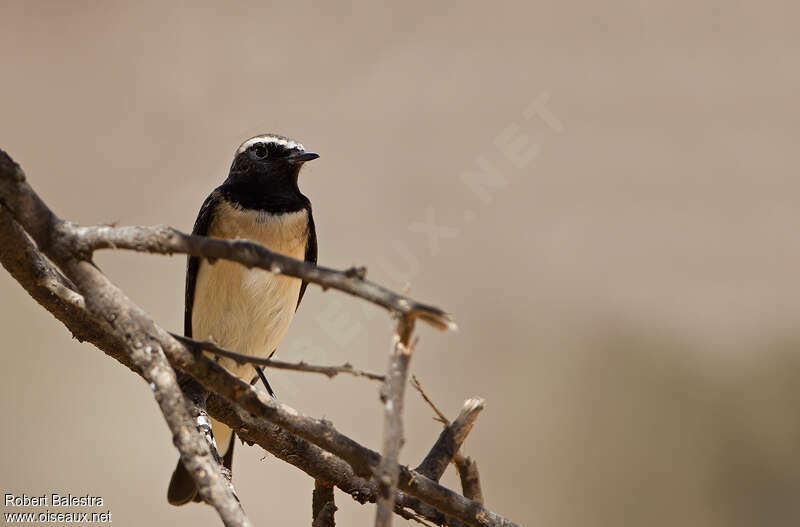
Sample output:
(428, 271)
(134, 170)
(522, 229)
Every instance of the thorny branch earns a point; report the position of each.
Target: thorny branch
(392, 395)
(166, 240)
(329, 371)
(448, 448)
(68, 285)
(450, 440)
(124, 322)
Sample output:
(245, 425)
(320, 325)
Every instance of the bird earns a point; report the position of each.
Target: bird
(240, 309)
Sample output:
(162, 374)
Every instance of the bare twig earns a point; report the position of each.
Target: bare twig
(322, 505)
(450, 440)
(166, 240)
(447, 448)
(414, 517)
(439, 415)
(392, 395)
(470, 478)
(329, 371)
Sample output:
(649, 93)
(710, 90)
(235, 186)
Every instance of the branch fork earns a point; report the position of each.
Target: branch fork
(51, 259)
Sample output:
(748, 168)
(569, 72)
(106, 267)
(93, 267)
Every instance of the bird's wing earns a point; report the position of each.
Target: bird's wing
(201, 226)
(311, 252)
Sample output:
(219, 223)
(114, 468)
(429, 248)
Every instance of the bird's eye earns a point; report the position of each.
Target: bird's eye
(258, 151)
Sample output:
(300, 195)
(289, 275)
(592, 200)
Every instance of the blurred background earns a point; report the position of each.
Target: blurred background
(604, 195)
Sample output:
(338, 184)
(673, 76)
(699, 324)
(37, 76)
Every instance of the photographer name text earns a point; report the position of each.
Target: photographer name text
(52, 500)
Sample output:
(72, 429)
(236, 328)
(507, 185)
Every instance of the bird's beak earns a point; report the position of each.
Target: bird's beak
(302, 157)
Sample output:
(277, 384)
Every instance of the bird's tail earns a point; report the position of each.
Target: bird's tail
(182, 488)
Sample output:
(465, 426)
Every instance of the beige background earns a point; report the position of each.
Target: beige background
(627, 297)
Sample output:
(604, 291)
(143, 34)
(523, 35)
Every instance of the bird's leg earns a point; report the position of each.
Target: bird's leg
(196, 397)
(263, 378)
(260, 372)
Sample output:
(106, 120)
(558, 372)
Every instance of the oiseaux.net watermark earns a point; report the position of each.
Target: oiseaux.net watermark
(509, 153)
(55, 509)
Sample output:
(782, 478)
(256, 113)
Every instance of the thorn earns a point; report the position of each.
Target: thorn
(358, 273)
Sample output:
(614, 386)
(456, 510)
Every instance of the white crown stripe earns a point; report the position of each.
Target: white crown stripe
(274, 139)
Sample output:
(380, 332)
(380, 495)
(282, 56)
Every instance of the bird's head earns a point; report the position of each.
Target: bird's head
(264, 172)
(270, 156)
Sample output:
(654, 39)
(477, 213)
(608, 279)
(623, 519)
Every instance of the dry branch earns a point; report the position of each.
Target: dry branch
(124, 321)
(470, 477)
(94, 310)
(323, 505)
(392, 395)
(329, 371)
(308, 457)
(450, 440)
(447, 449)
(439, 415)
(312, 460)
(166, 240)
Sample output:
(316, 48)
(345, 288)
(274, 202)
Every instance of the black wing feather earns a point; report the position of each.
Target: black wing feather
(201, 226)
(182, 488)
(311, 252)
